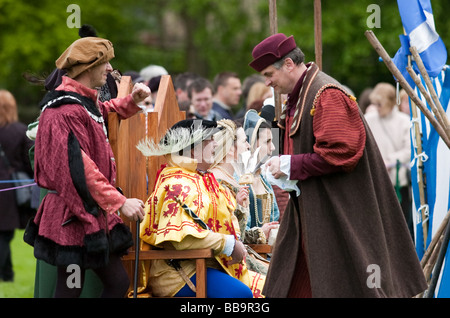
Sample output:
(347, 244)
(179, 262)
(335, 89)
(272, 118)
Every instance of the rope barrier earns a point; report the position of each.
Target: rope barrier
(23, 186)
(20, 180)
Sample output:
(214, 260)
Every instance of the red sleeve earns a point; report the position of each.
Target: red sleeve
(306, 165)
(125, 106)
(338, 129)
(103, 192)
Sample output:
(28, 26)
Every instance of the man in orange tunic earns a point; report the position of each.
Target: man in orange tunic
(189, 150)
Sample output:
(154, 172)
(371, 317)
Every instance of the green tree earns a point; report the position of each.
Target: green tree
(203, 36)
(35, 33)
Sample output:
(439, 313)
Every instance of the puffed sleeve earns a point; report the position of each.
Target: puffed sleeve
(103, 192)
(338, 129)
(125, 106)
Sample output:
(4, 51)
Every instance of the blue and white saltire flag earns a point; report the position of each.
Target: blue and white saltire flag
(436, 169)
(418, 22)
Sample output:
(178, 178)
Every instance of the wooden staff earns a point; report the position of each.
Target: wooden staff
(318, 32)
(273, 16)
(439, 110)
(440, 260)
(427, 261)
(420, 181)
(398, 75)
(420, 172)
(424, 92)
(274, 30)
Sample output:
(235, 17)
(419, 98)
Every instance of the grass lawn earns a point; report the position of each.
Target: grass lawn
(24, 265)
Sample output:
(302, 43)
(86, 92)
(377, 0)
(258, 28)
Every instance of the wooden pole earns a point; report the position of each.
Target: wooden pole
(430, 257)
(440, 260)
(398, 75)
(273, 16)
(428, 98)
(420, 181)
(420, 172)
(318, 32)
(274, 30)
(438, 109)
(434, 242)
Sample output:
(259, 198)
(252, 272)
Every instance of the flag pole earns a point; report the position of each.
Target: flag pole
(420, 181)
(438, 109)
(437, 269)
(420, 173)
(429, 259)
(398, 75)
(273, 17)
(426, 95)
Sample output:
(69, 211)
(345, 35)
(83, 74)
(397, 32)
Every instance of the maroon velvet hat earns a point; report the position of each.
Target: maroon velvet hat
(271, 50)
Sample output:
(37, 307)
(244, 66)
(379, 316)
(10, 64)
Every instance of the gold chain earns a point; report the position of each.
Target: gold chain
(267, 209)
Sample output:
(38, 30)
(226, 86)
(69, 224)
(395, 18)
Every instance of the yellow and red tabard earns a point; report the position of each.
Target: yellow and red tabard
(167, 225)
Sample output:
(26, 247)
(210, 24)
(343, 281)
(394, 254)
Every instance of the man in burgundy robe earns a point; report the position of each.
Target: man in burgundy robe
(345, 234)
(77, 222)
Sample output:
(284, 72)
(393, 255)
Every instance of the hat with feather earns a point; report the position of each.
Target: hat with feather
(185, 133)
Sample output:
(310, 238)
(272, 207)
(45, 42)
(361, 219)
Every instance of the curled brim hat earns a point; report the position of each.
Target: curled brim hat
(271, 50)
(84, 54)
(183, 134)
